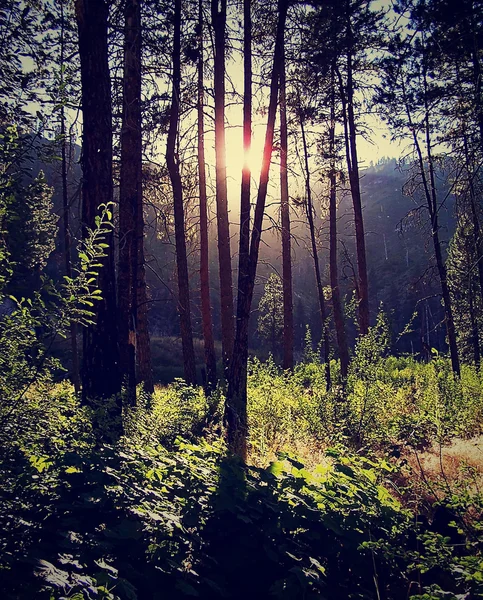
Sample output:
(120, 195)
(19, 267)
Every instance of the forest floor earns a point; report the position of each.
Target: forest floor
(372, 492)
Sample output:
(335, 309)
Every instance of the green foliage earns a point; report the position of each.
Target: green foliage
(176, 410)
(464, 288)
(387, 401)
(29, 329)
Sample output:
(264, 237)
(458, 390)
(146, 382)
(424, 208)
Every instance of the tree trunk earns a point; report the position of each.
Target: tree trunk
(129, 190)
(353, 168)
(433, 211)
(334, 276)
(210, 357)
(218, 15)
(100, 350)
(318, 278)
(144, 363)
(180, 239)
(285, 221)
(67, 251)
(430, 194)
(66, 211)
(236, 399)
(238, 367)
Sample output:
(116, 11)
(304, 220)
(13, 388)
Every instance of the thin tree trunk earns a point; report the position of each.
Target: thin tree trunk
(433, 206)
(67, 253)
(334, 275)
(66, 211)
(236, 399)
(100, 346)
(353, 168)
(144, 363)
(285, 219)
(180, 239)
(429, 188)
(129, 190)
(218, 15)
(210, 358)
(315, 256)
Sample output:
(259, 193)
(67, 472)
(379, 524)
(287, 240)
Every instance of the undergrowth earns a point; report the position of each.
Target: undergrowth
(164, 513)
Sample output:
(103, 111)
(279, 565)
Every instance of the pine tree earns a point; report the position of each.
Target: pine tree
(463, 284)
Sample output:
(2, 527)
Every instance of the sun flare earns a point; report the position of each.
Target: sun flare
(236, 158)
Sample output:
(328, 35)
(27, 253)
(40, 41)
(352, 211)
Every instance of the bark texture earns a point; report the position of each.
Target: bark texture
(100, 375)
(130, 189)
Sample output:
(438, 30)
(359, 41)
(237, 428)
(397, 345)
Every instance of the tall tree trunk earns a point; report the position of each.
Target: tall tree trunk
(210, 357)
(68, 250)
(334, 275)
(433, 211)
(448, 309)
(354, 180)
(236, 399)
(285, 220)
(238, 375)
(218, 16)
(129, 190)
(180, 239)
(144, 363)
(66, 209)
(100, 347)
(315, 256)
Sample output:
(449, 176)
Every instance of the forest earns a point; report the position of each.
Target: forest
(241, 299)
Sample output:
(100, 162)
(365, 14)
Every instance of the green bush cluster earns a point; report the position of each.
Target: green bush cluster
(386, 401)
(175, 410)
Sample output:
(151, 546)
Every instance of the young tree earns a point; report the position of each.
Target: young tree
(463, 283)
(179, 220)
(100, 376)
